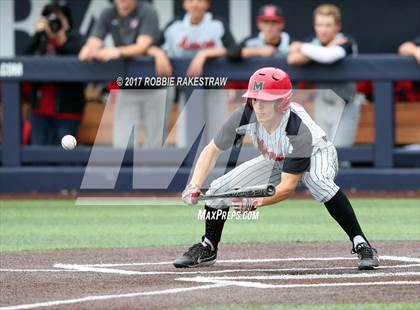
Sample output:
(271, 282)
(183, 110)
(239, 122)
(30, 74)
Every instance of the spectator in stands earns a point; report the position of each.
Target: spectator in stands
(406, 90)
(272, 40)
(200, 36)
(56, 108)
(134, 26)
(329, 46)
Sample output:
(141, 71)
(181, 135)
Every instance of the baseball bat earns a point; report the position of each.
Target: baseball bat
(251, 191)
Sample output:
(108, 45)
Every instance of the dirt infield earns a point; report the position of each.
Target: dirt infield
(293, 273)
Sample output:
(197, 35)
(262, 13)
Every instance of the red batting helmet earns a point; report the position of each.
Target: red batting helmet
(270, 84)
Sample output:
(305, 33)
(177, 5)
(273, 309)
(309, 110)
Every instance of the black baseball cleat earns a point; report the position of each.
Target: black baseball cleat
(368, 256)
(198, 255)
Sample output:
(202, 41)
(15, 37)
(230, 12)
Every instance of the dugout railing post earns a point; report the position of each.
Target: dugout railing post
(12, 131)
(384, 124)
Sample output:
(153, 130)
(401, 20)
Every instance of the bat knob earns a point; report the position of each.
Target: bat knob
(271, 190)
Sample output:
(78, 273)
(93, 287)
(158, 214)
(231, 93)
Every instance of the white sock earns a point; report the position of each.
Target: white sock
(208, 242)
(357, 240)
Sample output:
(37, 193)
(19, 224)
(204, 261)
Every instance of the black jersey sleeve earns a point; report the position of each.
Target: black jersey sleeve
(298, 159)
(227, 135)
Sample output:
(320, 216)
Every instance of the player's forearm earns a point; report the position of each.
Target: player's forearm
(133, 50)
(205, 163)
(137, 49)
(283, 191)
(92, 45)
(323, 54)
(249, 52)
(90, 49)
(155, 51)
(213, 52)
(297, 59)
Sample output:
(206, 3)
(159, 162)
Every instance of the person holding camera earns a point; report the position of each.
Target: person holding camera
(133, 25)
(56, 109)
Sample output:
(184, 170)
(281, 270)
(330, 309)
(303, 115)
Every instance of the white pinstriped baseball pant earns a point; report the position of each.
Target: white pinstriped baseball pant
(258, 171)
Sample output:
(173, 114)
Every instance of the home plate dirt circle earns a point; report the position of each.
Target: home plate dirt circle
(292, 273)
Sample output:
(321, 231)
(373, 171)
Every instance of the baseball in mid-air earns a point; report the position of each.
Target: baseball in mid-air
(68, 142)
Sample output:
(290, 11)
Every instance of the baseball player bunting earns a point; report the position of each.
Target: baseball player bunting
(293, 149)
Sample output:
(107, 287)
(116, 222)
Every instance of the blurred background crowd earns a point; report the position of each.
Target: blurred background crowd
(124, 29)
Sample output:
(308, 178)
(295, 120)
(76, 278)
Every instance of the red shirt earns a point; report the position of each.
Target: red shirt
(47, 91)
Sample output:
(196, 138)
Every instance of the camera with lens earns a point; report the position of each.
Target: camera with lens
(54, 22)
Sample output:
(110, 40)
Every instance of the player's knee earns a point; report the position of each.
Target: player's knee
(322, 189)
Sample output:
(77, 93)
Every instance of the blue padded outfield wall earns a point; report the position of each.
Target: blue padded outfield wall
(51, 169)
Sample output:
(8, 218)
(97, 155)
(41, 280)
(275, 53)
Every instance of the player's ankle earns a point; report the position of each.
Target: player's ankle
(208, 242)
(358, 240)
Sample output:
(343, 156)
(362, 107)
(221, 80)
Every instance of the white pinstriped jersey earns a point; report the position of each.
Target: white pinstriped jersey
(276, 145)
(294, 141)
(297, 146)
(181, 38)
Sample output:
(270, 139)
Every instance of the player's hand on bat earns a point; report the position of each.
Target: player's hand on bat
(242, 205)
(191, 193)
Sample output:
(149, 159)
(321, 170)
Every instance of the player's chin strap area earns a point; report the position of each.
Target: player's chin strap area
(282, 104)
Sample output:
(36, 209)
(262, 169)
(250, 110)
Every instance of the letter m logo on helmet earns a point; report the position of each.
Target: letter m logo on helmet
(270, 84)
(258, 85)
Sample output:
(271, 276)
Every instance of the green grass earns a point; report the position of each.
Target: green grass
(59, 224)
(313, 307)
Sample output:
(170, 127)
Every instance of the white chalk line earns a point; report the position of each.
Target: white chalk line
(400, 258)
(84, 268)
(235, 261)
(310, 276)
(97, 267)
(39, 270)
(265, 260)
(106, 297)
(215, 283)
(127, 201)
(250, 284)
